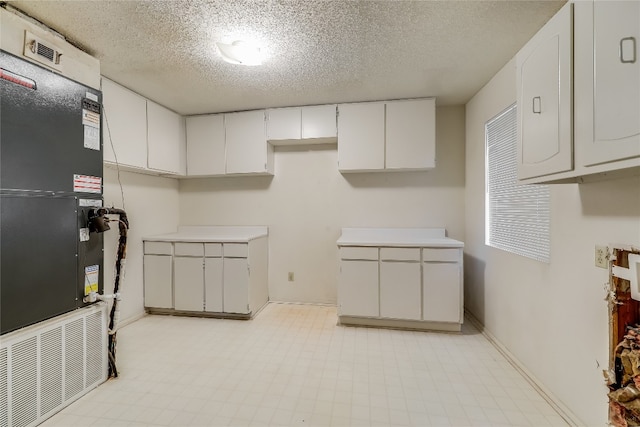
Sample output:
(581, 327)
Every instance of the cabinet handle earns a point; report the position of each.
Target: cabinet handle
(537, 105)
(628, 50)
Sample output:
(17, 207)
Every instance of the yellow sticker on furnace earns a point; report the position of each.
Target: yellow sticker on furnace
(91, 279)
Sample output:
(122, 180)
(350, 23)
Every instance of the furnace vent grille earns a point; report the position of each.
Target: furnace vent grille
(51, 370)
(43, 51)
(4, 392)
(45, 367)
(24, 382)
(74, 374)
(95, 349)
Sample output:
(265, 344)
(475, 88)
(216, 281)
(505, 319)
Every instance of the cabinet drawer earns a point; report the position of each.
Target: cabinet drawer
(400, 254)
(236, 250)
(357, 252)
(189, 249)
(157, 248)
(443, 255)
(213, 249)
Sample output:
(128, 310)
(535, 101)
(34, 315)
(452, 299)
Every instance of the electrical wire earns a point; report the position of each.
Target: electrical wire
(123, 226)
(113, 148)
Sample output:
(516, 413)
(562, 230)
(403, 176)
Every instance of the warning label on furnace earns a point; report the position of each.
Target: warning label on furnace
(87, 184)
(91, 138)
(91, 278)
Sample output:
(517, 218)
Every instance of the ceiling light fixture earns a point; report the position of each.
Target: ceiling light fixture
(240, 52)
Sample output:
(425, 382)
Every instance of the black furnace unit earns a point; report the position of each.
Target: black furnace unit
(50, 176)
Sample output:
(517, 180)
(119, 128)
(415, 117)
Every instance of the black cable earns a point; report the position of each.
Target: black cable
(123, 226)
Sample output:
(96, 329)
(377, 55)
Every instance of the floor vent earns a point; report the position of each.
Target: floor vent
(47, 366)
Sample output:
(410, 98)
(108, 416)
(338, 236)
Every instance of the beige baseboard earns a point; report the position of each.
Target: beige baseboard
(559, 407)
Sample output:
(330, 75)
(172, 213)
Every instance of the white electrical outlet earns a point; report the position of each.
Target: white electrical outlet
(602, 257)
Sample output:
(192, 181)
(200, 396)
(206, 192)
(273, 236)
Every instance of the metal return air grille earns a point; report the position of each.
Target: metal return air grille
(45, 51)
(46, 367)
(51, 370)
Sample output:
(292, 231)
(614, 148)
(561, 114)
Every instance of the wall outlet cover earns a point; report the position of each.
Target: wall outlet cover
(602, 257)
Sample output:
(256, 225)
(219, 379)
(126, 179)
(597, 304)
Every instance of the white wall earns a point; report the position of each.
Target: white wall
(308, 201)
(151, 204)
(551, 317)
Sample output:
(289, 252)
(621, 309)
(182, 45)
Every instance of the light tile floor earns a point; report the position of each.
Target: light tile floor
(293, 366)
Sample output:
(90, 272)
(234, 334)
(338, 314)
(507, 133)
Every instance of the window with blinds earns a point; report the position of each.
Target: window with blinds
(517, 216)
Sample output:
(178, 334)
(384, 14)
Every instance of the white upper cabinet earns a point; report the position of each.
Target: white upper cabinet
(591, 125)
(544, 87)
(166, 139)
(205, 145)
(361, 136)
(302, 125)
(607, 72)
(319, 121)
(284, 123)
(124, 126)
(228, 144)
(411, 134)
(392, 135)
(141, 135)
(246, 144)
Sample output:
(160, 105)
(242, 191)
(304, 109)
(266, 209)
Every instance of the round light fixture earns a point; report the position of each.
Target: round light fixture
(240, 52)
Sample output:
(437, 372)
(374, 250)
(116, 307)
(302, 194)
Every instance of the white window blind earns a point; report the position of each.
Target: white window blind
(517, 216)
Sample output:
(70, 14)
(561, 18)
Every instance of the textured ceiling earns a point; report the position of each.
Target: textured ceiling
(317, 52)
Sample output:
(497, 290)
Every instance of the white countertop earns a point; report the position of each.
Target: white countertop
(398, 237)
(211, 233)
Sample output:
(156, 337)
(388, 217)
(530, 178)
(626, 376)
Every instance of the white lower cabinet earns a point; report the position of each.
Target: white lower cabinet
(358, 293)
(204, 277)
(213, 285)
(407, 287)
(400, 290)
(235, 280)
(189, 274)
(158, 286)
(442, 299)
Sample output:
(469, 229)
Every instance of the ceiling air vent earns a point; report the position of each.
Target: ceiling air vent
(42, 51)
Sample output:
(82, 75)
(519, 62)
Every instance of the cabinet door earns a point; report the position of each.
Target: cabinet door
(165, 139)
(283, 123)
(319, 121)
(442, 293)
(188, 284)
(205, 145)
(158, 278)
(124, 126)
(247, 150)
(544, 87)
(610, 61)
(358, 290)
(361, 136)
(235, 285)
(411, 134)
(400, 290)
(213, 285)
